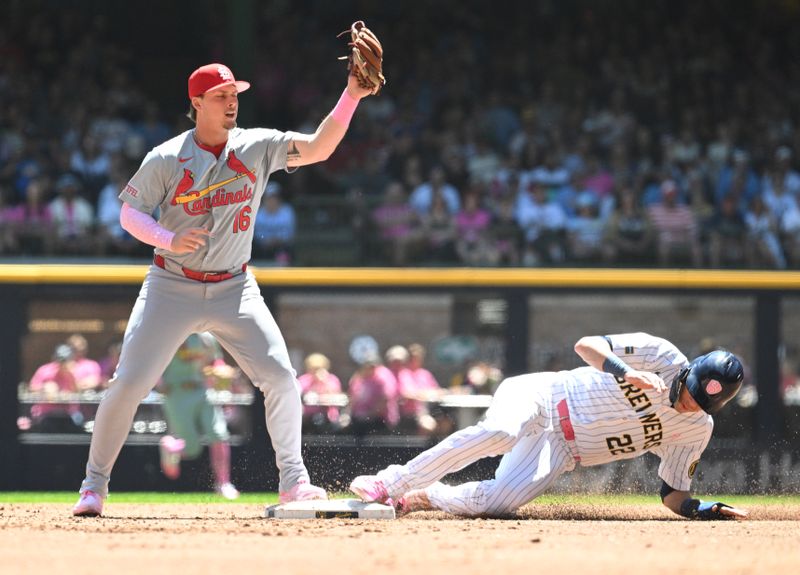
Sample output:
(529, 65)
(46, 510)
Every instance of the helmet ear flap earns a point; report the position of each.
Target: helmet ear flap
(677, 384)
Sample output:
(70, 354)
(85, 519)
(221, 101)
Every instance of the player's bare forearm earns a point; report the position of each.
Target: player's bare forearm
(307, 149)
(594, 350)
(674, 500)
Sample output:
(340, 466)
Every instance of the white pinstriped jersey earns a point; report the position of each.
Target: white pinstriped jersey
(614, 420)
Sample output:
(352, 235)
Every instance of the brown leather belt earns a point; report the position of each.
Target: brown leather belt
(205, 277)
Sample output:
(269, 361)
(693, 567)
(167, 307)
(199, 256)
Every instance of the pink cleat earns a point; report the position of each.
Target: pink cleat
(90, 504)
(169, 449)
(370, 489)
(302, 491)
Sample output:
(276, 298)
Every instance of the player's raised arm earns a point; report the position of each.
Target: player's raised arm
(683, 504)
(365, 63)
(596, 351)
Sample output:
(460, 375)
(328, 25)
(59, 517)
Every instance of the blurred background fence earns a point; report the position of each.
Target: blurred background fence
(477, 326)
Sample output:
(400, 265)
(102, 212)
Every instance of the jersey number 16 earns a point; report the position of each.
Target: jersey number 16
(242, 220)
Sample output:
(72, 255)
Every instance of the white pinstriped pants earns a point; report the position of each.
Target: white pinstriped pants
(521, 424)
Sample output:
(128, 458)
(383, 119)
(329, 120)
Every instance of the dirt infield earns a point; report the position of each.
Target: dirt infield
(226, 539)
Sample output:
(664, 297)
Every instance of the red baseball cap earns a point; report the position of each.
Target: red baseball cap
(211, 77)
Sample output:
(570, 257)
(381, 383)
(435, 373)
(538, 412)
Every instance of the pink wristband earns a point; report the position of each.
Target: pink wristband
(345, 108)
(144, 228)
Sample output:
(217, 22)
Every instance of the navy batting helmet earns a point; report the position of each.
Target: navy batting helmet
(712, 380)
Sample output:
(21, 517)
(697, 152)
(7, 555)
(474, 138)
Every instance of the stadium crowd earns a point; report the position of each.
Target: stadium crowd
(547, 134)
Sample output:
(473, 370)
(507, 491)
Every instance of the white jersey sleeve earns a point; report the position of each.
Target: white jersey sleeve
(681, 453)
(277, 146)
(645, 352)
(148, 188)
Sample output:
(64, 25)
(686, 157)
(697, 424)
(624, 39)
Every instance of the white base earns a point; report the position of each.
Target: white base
(330, 509)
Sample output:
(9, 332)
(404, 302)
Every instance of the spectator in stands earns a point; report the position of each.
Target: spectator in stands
(506, 235)
(421, 391)
(676, 229)
(628, 233)
(23, 164)
(483, 161)
(318, 381)
(763, 248)
(720, 149)
(92, 164)
(738, 179)
(438, 232)
(474, 244)
(86, 371)
(30, 223)
(422, 197)
(397, 361)
(779, 194)
(52, 380)
(597, 179)
(73, 217)
(275, 227)
(543, 223)
(585, 230)
(701, 201)
(396, 225)
(727, 235)
(416, 387)
(372, 394)
(551, 173)
(685, 150)
(114, 238)
(151, 128)
(781, 173)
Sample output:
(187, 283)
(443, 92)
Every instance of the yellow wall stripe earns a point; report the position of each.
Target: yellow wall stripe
(424, 277)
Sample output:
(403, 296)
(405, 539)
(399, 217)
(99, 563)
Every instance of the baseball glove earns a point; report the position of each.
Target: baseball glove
(365, 60)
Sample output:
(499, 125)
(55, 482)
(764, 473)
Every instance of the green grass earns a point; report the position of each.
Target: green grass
(144, 497)
(69, 497)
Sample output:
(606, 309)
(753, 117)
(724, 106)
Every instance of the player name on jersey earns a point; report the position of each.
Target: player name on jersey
(651, 423)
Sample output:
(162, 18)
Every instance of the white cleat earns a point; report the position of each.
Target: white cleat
(89, 505)
(228, 491)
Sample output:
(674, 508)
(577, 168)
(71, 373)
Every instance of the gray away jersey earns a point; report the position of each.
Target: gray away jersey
(615, 420)
(192, 188)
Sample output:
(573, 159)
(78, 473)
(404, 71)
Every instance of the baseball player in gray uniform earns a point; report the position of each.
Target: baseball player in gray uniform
(207, 183)
(544, 424)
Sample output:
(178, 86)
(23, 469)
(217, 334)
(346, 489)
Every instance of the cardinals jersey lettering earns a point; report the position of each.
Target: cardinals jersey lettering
(614, 420)
(190, 187)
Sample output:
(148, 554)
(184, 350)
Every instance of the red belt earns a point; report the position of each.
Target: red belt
(204, 277)
(566, 425)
